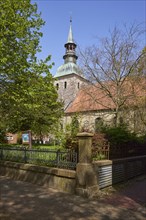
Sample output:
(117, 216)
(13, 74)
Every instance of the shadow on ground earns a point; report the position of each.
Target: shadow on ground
(25, 201)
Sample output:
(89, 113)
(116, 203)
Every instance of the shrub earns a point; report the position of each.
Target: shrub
(122, 143)
(119, 135)
(99, 141)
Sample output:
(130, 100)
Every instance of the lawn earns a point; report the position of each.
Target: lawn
(35, 146)
(40, 155)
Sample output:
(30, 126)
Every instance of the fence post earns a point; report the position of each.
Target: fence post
(86, 179)
(57, 157)
(25, 157)
(1, 153)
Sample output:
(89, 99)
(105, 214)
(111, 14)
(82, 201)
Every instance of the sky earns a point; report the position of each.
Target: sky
(90, 20)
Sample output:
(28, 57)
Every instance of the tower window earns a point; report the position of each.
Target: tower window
(57, 86)
(65, 85)
(78, 85)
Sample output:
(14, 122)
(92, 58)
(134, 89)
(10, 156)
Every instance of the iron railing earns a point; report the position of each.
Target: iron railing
(66, 159)
(101, 153)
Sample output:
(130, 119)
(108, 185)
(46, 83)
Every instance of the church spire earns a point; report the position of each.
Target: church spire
(70, 34)
(70, 55)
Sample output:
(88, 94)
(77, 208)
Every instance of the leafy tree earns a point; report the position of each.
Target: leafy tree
(74, 126)
(27, 95)
(109, 66)
(66, 136)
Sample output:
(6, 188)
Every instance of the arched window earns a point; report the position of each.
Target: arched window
(78, 85)
(57, 86)
(121, 121)
(114, 120)
(65, 85)
(98, 124)
(118, 121)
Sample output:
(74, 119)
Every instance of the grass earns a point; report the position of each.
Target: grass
(48, 147)
(35, 146)
(35, 157)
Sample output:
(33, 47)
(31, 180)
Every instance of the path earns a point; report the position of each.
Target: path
(25, 201)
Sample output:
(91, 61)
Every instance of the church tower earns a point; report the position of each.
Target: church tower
(69, 78)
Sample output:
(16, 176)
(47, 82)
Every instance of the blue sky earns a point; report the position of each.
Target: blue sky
(91, 19)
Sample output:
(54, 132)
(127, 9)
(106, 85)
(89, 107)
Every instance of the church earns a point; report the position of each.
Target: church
(72, 90)
(78, 96)
(85, 105)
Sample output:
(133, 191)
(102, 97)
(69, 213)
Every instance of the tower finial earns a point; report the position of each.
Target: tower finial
(70, 35)
(70, 19)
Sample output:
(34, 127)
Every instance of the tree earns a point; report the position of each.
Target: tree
(110, 66)
(139, 94)
(27, 95)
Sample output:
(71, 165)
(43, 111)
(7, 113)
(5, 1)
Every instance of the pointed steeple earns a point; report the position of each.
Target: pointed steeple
(70, 34)
(70, 55)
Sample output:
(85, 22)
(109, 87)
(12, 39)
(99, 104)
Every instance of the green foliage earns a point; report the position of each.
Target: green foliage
(27, 95)
(34, 146)
(74, 126)
(41, 156)
(67, 137)
(99, 157)
(71, 132)
(47, 147)
(119, 135)
(120, 142)
(2, 135)
(59, 135)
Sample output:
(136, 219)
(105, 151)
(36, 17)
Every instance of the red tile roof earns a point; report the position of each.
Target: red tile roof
(94, 98)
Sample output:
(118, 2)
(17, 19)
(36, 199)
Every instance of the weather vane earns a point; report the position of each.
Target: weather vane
(70, 17)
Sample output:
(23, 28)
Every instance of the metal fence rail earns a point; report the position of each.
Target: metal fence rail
(63, 159)
(101, 153)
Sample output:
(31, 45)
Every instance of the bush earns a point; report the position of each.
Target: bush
(122, 143)
(99, 141)
(119, 135)
(2, 136)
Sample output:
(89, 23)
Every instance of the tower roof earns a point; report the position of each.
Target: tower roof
(67, 69)
(70, 58)
(70, 34)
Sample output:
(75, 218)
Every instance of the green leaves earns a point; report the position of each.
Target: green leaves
(28, 99)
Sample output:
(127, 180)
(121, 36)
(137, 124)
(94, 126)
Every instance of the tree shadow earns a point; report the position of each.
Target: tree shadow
(26, 201)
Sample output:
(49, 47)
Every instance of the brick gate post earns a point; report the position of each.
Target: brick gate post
(86, 178)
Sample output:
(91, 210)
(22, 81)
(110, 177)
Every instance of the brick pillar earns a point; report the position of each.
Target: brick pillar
(86, 179)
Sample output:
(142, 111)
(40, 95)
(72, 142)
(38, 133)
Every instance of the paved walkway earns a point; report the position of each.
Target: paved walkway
(25, 201)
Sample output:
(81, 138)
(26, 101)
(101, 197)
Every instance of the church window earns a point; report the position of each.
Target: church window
(57, 86)
(114, 121)
(121, 121)
(98, 124)
(65, 85)
(78, 85)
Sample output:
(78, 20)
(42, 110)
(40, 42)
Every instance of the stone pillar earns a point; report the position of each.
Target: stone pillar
(86, 178)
